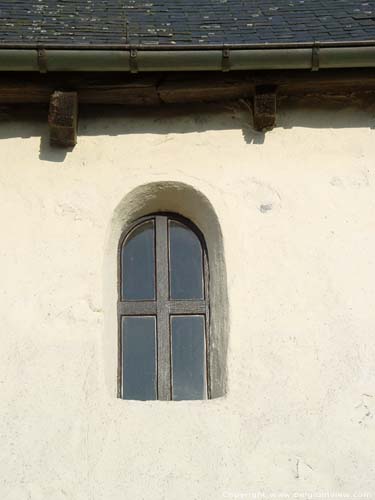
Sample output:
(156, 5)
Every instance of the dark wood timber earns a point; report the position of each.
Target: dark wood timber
(205, 88)
(154, 89)
(264, 109)
(62, 119)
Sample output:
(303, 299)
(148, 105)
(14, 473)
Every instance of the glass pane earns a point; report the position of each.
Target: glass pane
(138, 358)
(186, 266)
(188, 358)
(138, 264)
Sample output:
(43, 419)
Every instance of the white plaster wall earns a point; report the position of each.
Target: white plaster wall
(297, 214)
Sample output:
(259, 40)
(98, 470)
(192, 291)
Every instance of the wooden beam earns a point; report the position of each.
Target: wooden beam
(264, 110)
(91, 88)
(63, 119)
(155, 89)
(146, 90)
(207, 88)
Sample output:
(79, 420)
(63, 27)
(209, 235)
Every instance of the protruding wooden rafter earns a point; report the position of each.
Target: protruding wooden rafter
(63, 119)
(264, 110)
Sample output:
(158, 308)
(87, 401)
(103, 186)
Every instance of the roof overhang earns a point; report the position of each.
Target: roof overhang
(164, 58)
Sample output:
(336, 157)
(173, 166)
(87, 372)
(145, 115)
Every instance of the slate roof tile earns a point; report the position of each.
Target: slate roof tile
(184, 22)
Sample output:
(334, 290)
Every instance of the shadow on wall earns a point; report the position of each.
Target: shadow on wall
(185, 200)
(96, 120)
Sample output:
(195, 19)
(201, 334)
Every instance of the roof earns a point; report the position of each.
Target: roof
(184, 23)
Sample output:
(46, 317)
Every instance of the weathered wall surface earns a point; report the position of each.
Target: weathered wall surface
(297, 215)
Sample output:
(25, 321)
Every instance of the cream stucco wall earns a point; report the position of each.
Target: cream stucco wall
(297, 215)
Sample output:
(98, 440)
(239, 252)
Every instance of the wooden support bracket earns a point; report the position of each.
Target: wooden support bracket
(264, 107)
(63, 119)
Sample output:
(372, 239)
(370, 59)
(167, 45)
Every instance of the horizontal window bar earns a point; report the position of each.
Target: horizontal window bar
(187, 307)
(136, 308)
(139, 308)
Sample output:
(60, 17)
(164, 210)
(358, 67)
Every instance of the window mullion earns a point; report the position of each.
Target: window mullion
(162, 290)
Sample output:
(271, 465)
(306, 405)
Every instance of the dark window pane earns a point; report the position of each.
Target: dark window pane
(188, 358)
(138, 264)
(186, 269)
(139, 357)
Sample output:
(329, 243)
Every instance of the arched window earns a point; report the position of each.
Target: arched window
(163, 310)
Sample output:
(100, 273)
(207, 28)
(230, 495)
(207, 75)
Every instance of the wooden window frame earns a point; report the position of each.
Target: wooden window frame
(163, 307)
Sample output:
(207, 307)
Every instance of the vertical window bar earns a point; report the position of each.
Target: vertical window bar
(164, 342)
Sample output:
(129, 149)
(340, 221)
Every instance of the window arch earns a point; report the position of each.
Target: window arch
(163, 310)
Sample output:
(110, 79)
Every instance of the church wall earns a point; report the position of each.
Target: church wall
(295, 290)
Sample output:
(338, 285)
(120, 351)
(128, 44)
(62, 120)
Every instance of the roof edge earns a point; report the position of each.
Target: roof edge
(183, 47)
(225, 58)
